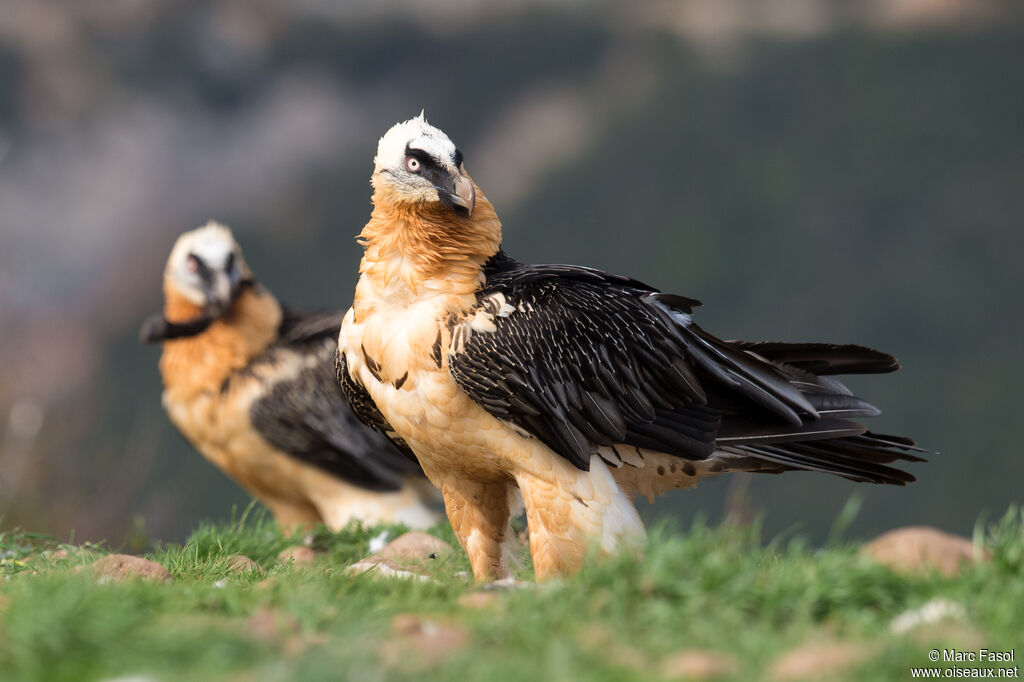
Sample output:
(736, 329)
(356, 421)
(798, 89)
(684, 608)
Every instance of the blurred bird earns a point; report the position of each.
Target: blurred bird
(251, 384)
(578, 387)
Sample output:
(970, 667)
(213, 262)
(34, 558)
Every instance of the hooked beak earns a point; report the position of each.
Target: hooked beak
(223, 290)
(465, 194)
(462, 195)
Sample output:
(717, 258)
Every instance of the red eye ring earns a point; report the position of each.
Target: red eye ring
(192, 264)
(412, 164)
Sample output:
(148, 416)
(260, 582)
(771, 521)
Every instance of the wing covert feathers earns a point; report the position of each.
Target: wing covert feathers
(584, 360)
(308, 417)
(303, 413)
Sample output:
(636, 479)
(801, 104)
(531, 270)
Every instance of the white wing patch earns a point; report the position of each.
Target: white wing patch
(482, 319)
(683, 319)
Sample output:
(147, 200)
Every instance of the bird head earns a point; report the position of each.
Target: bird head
(417, 165)
(206, 268)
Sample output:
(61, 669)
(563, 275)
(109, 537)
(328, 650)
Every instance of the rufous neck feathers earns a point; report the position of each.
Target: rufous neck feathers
(190, 365)
(422, 243)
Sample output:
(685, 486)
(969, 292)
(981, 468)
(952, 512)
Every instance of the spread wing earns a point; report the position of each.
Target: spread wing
(307, 416)
(582, 359)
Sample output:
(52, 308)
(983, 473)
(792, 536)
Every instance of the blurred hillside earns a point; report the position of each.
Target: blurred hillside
(810, 169)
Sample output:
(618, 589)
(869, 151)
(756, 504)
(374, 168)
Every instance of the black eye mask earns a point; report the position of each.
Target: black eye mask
(157, 328)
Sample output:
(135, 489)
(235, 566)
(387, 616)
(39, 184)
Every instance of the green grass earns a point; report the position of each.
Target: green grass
(717, 589)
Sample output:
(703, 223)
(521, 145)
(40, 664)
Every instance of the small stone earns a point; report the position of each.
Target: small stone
(818, 660)
(602, 640)
(934, 611)
(506, 584)
(697, 664)
(956, 635)
(65, 553)
(919, 549)
(405, 557)
(414, 548)
(626, 656)
(406, 624)
(241, 564)
(119, 567)
(298, 644)
(384, 569)
(270, 626)
(298, 556)
(420, 642)
(478, 600)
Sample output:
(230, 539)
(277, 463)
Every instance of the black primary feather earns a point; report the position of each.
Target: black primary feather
(584, 359)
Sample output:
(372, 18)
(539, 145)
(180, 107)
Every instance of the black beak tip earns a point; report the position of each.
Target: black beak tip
(455, 203)
(153, 330)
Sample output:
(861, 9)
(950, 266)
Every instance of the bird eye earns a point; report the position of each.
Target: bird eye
(192, 263)
(413, 164)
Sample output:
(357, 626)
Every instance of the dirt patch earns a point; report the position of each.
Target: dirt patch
(698, 664)
(382, 568)
(478, 601)
(920, 549)
(119, 567)
(75, 552)
(298, 556)
(271, 626)
(242, 565)
(602, 641)
(818, 660)
(420, 642)
(411, 556)
(414, 549)
(957, 635)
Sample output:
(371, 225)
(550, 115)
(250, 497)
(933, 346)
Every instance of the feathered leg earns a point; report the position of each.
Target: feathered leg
(479, 514)
(291, 516)
(569, 511)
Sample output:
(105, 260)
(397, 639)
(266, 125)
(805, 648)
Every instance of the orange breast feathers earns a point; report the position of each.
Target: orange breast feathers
(418, 270)
(190, 366)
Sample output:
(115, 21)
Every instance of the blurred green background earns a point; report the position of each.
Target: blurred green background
(820, 170)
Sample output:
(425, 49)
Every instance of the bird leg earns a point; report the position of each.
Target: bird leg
(293, 517)
(479, 514)
(553, 548)
(572, 512)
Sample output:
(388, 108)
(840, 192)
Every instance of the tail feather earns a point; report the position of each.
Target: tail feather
(823, 358)
(860, 458)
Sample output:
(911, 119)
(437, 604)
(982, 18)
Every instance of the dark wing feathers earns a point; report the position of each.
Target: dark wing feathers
(587, 359)
(859, 458)
(823, 358)
(308, 417)
(540, 375)
(299, 327)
